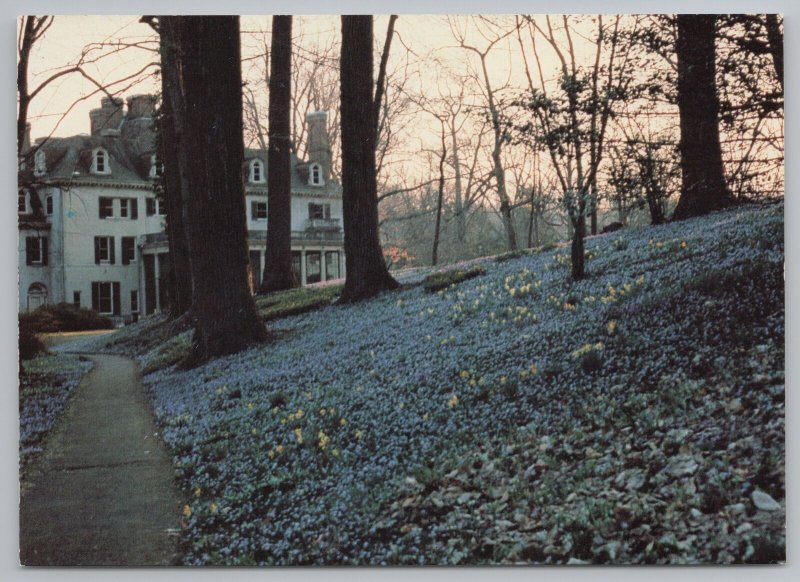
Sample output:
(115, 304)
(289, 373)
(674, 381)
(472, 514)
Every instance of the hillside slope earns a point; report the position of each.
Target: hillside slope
(634, 417)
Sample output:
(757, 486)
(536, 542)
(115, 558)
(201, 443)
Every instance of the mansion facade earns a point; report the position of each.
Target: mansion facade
(95, 234)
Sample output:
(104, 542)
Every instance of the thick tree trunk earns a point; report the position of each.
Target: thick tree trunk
(226, 320)
(174, 178)
(367, 274)
(578, 257)
(278, 272)
(703, 187)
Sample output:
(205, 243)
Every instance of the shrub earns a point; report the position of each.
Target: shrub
(30, 345)
(438, 281)
(65, 317)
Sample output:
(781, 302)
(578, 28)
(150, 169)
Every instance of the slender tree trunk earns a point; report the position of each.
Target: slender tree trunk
(174, 177)
(367, 274)
(440, 199)
(775, 38)
(578, 258)
(278, 272)
(226, 320)
(703, 187)
(460, 211)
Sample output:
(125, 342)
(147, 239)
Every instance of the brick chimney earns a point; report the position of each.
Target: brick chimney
(141, 106)
(109, 116)
(319, 147)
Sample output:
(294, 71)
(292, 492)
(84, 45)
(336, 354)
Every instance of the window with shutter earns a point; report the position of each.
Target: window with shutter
(106, 207)
(128, 249)
(150, 206)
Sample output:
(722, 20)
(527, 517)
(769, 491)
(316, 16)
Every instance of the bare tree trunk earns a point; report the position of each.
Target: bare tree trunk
(174, 178)
(278, 272)
(367, 274)
(703, 187)
(460, 211)
(226, 320)
(440, 199)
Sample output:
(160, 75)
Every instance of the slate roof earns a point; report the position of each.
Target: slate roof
(70, 159)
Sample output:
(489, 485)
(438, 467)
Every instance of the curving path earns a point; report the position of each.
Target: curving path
(102, 493)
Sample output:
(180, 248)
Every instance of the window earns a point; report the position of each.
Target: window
(332, 265)
(319, 211)
(153, 207)
(134, 301)
(36, 251)
(315, 175)
(39, 163)
(129, 208)
(104, 249)
(313, 271)
(257, 171)
(48, 205)
(297, 260)
(156, 167)
(258, 210)
(22, 202)
(128, 249)
(106, 207)
(105, 297)
(76, 298)
(100, 162)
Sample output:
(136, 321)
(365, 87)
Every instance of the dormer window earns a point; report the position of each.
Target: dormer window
(256, 172)
(315, 175)
(39, 163)
(100, 161)
(156, 167)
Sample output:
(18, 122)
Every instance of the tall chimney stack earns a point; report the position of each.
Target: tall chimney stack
(109, 116)
(141, 106)
(319, 147)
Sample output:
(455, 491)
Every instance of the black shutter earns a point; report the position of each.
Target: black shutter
(125, 260)
(111, 251)
(29, 242)
(150, 203)
(253, 210)
(44, 252)
(96, 296)
(115, 287)
(134, 209)
(97, 250)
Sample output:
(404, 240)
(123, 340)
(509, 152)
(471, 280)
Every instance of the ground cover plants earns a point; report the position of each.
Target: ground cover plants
(635, 416)
(44, 390)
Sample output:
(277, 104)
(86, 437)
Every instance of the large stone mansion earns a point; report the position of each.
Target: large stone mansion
(99, 240)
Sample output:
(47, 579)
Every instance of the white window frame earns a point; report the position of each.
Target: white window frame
(156, 167)
(100, 154)
(110, 287)
(39, 249)
(253, 179)
(100, 206)
(125, 206)
(315, 175)
(107, 240)
(256, 207)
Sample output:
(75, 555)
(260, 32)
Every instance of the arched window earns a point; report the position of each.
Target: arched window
(256, 172)
(315, 175)
(37, 296)
(100, 161)
(39, 163)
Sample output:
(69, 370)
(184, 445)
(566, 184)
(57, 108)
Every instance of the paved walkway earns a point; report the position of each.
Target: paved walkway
(102, 492)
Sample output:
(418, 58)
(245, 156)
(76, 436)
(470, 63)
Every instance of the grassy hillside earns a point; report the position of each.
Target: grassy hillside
(634, 417)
